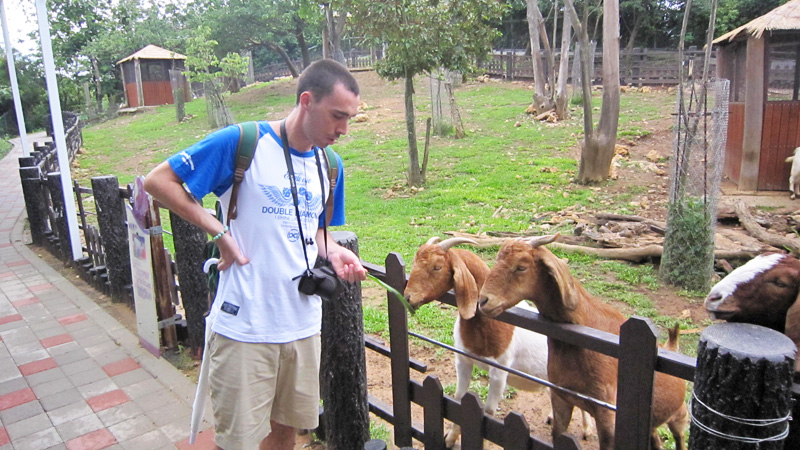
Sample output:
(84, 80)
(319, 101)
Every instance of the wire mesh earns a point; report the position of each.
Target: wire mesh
(700, 134)
(441, 113)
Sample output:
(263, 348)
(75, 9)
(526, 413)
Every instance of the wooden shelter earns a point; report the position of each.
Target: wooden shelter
(761, 59)
(146, 76)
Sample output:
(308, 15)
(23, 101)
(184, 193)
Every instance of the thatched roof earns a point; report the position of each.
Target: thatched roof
(153, 52)
(785, 17)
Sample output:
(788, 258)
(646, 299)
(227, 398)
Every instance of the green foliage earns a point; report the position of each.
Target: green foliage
(379, 431)
(688, 258)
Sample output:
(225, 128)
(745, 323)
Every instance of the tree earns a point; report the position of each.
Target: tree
(203, 66)
(421, 36)
(598, 145)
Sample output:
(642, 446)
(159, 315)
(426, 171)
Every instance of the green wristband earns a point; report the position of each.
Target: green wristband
(220, 234)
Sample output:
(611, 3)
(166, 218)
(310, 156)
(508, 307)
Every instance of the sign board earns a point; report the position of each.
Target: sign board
(143, 284)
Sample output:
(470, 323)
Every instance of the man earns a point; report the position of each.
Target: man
(264, 348)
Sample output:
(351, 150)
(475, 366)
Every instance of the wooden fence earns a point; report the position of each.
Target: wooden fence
(638, 67)
(107, 265)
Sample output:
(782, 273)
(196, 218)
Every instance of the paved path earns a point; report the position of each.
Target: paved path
(71, 376)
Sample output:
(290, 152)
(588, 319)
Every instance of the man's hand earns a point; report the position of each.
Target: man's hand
(347, 265)
(229, 252)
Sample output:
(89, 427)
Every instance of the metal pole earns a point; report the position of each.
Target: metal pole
(58, 129)
(12, 75)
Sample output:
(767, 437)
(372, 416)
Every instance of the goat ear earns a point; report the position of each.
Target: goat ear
(792, 329)
(465, 286)
(563, 279)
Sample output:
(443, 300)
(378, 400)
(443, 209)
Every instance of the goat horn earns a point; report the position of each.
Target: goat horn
(433, 240)
(446, 244)
(542, 240)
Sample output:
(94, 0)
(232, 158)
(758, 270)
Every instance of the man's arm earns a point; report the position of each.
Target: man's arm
(166, 187)
(345, 262)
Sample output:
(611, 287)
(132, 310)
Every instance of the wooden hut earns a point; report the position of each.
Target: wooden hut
(146, 76)
(760, 59)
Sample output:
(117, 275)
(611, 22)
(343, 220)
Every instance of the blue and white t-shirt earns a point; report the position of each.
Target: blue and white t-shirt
(259, 302)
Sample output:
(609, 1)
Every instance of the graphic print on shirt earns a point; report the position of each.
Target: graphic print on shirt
(280, 206)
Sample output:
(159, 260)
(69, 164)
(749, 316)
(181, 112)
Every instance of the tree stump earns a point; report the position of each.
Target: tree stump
(742, 388)
(343, 372)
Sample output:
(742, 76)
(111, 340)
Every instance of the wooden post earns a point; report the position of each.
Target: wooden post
(742, 388)
(190, 242)
(61, 227)
(35, 202)
(433, 402)
(111, 218)
(753, 113)
(163, 290)
(343, 366)
(472, 429)
(637, 358)
(398, 341)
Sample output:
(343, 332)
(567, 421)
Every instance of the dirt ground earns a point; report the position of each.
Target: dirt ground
(643, 168)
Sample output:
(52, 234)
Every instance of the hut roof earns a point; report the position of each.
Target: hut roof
(784, 17)
(154, 52)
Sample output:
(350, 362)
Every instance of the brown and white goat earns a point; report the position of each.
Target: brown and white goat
(438, 268)
(527, 270)
(764, 291)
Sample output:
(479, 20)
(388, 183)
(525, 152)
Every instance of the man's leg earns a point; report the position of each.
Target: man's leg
(281, 437)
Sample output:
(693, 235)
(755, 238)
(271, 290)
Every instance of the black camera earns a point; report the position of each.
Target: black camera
(321, 281)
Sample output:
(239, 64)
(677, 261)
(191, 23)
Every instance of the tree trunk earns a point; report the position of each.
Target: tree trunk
(562, 109)
(414, 173)
(98, 86)
(285, 57)
(598, 150)
(541, 100)
(301, 41)
(334, 26)
(586, 69)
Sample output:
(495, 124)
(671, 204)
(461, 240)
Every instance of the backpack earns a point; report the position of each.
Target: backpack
(245, 149)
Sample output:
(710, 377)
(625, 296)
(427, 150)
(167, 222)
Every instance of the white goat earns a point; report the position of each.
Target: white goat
(794, 176)
(527, 270)
(438, 268)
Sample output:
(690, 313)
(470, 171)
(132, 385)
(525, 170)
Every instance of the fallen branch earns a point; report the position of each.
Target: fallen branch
(758, 232)
(632, 254)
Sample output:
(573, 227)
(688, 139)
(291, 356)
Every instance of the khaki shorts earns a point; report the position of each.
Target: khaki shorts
(252, 384)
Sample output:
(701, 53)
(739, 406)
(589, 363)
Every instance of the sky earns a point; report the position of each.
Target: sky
(21, 20)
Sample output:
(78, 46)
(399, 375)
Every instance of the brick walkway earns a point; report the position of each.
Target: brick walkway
(71, 376)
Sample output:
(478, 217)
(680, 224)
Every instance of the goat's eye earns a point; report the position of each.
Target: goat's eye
(520, 269)
(437, 268)
(780, 284)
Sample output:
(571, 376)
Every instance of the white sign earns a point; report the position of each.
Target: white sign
(143, 285)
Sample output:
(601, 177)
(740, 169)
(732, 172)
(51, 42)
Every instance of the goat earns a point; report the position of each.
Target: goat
(438, 268)
(794, 176)
(527, 270)
(764, 292)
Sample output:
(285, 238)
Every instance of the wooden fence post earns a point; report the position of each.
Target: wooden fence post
(510, 66)
(61, 225)
(343, 366)
(434, 411)
(190, 243)
(638, 350)
(162, 282)
(742, 388)
(518, 432)
(35, 202)
(111, 218)
(472, 429)
(398, 341)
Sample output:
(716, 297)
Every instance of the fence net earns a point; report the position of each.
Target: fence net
(701, 128)
(441, 83)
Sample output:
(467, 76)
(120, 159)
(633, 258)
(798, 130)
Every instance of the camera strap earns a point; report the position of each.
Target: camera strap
(293, 184)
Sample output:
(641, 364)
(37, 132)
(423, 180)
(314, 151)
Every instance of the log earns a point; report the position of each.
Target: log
(731, 356)
(757, 231)
(632, 254)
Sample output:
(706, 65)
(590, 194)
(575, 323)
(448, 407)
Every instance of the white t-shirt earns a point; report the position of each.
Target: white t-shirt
(259, 301)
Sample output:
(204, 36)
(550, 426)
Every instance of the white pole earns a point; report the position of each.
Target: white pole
(12, 75)
(58, 129)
